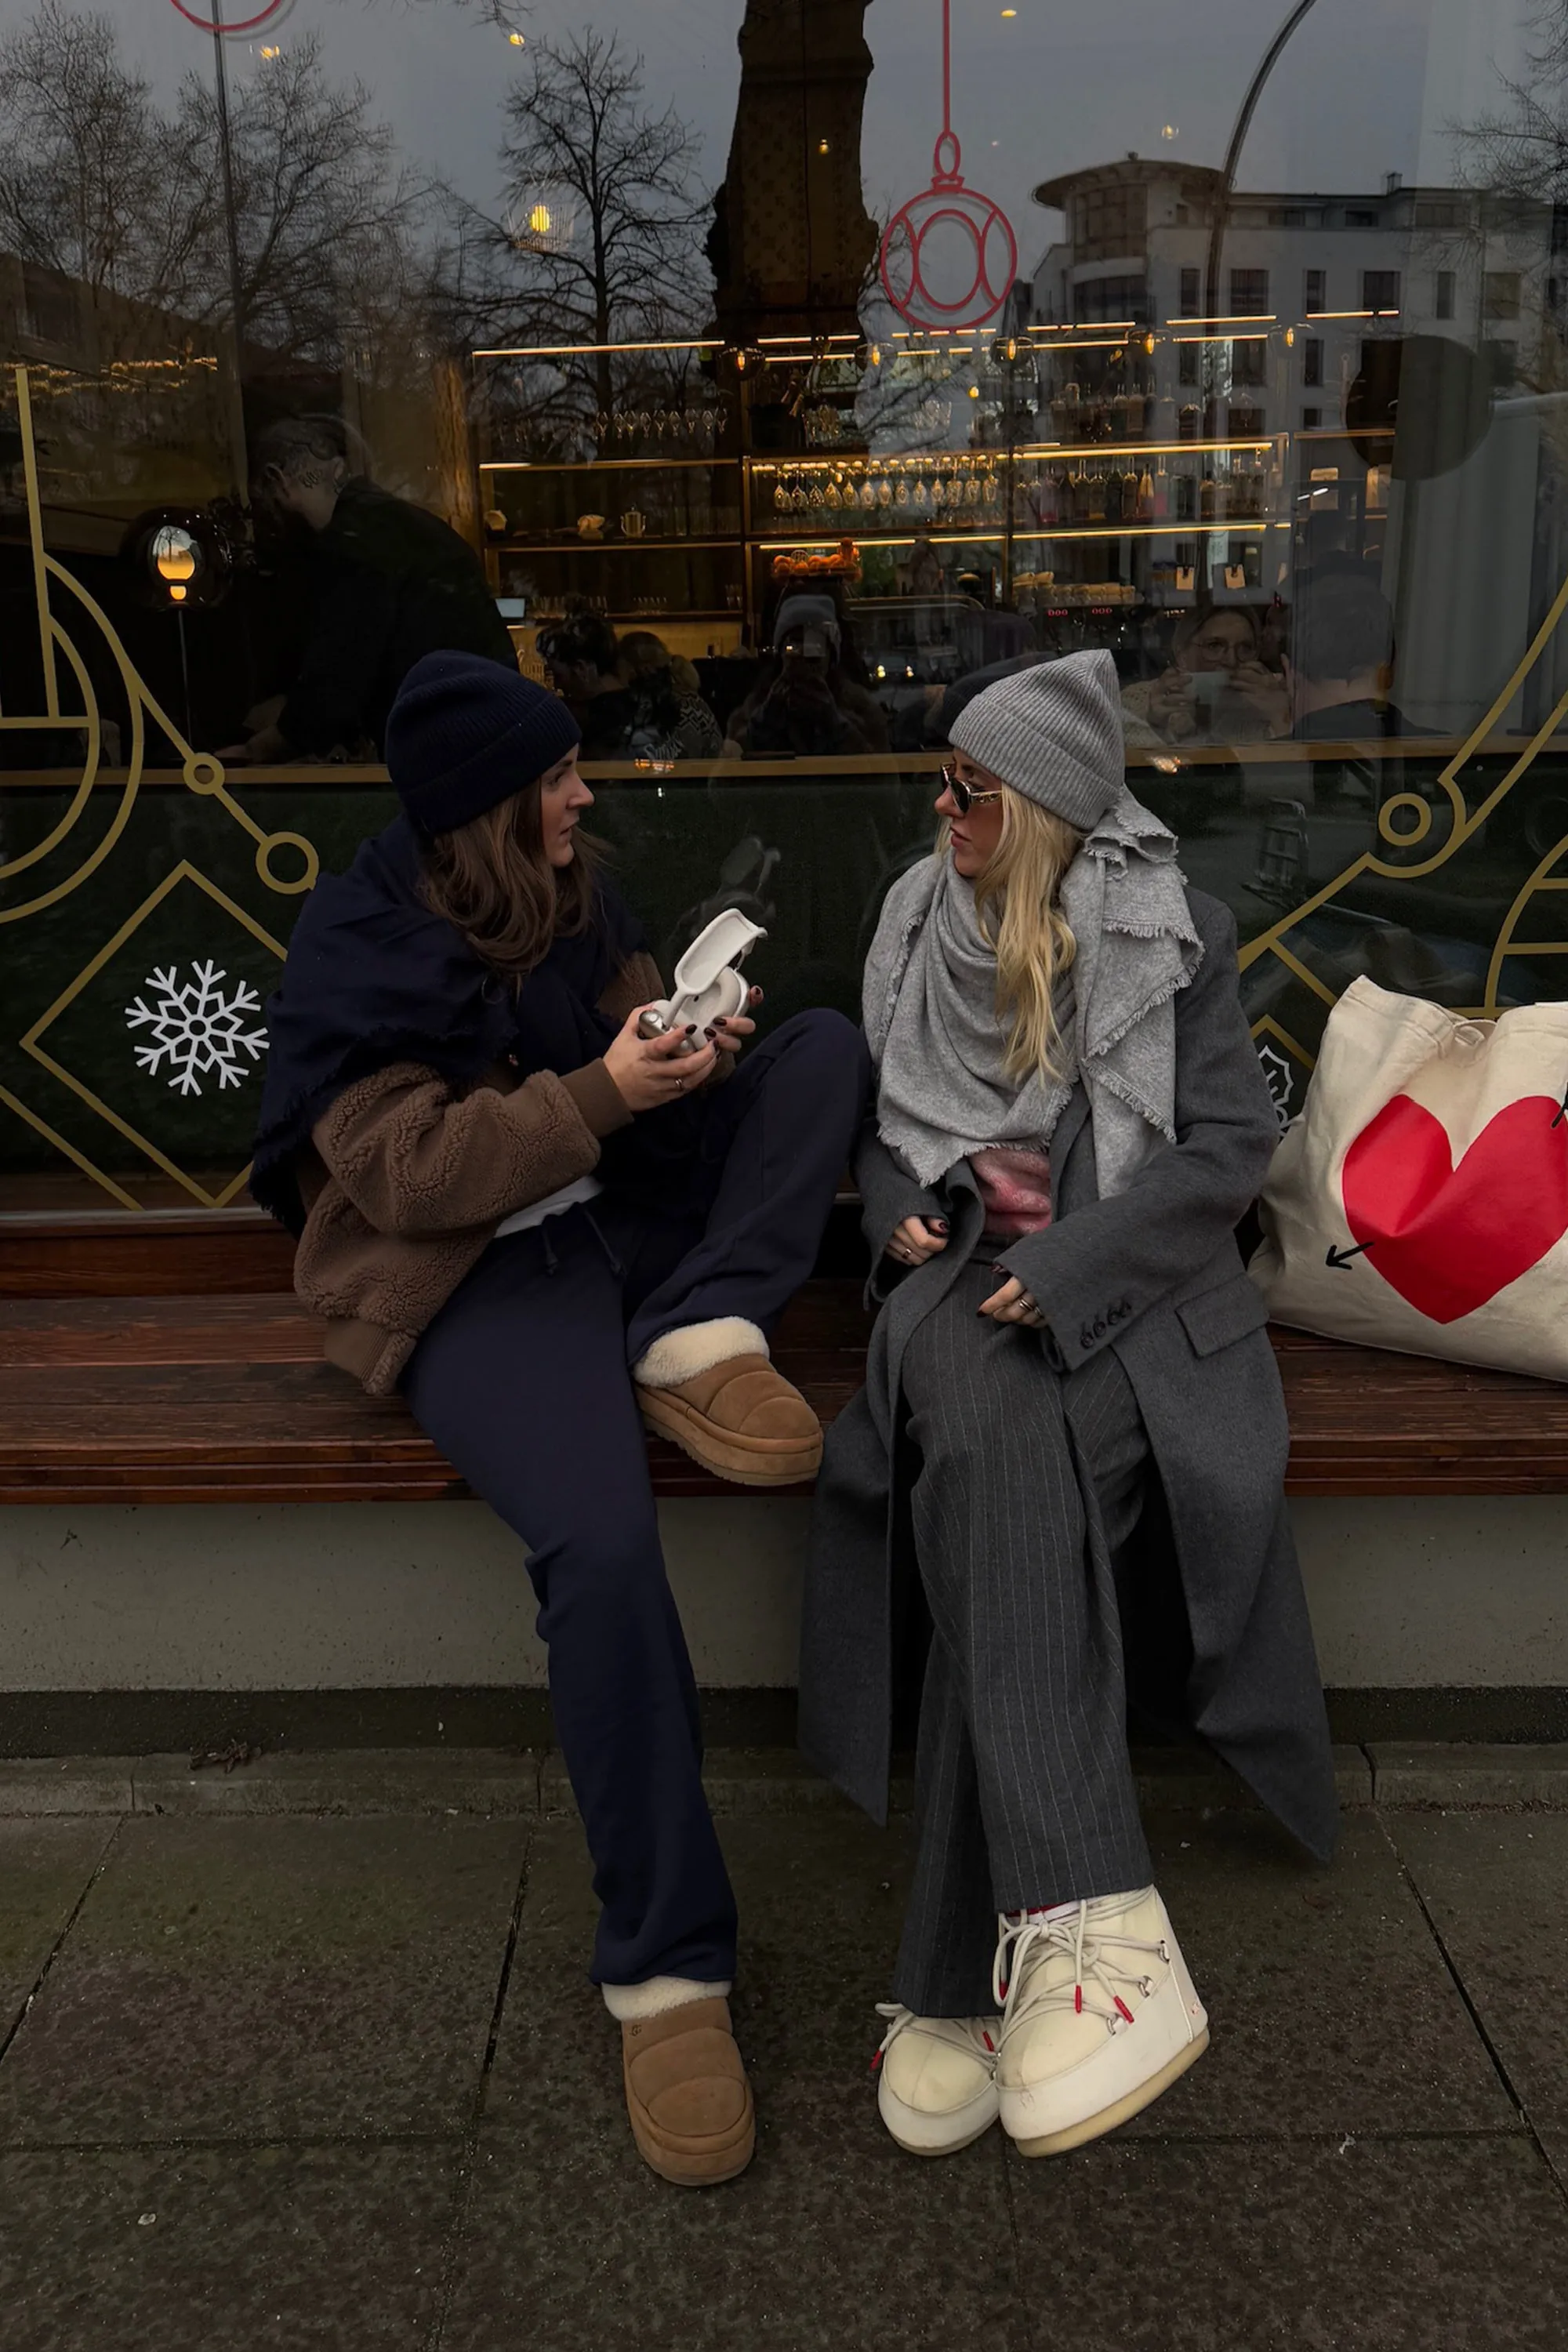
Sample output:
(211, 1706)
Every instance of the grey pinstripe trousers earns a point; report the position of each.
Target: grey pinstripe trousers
(1029, 1483)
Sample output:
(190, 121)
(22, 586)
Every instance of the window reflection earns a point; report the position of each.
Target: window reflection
(384, 329)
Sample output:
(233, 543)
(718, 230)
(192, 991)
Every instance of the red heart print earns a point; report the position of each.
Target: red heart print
(1447, 1238)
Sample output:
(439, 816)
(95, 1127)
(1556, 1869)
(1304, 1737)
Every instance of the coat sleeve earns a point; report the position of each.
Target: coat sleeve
(889, 1194)
(415, 1158)
(1108, 1262)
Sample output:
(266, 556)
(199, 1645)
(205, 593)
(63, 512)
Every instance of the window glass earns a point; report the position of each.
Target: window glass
(763, 385)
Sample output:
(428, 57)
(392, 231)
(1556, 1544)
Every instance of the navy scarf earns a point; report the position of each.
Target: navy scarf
(373, 977)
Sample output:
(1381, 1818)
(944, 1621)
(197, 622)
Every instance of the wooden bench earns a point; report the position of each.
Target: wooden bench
(179, 1368)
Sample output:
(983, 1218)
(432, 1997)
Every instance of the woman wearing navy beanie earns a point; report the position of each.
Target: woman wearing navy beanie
(547, 1229)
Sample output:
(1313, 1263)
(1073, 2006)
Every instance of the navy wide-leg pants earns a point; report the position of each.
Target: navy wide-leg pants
(523, 1380)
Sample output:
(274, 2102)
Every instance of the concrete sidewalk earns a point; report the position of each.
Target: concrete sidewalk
(303, 2056)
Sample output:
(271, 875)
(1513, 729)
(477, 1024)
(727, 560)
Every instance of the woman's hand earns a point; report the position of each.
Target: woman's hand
(1013, 1304)
(650, 1071)
(1171, 705)
(917, 1239)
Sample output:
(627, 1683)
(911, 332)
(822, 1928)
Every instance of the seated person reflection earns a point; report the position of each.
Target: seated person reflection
(804, 702)
(649, 667)
(390, 583)
(1216, 690)
(627, 696)
(1340, 660)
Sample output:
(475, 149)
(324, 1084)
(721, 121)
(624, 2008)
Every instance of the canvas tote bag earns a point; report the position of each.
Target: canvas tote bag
(1420, 1200)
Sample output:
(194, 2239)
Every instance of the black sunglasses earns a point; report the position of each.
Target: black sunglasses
(964, 796)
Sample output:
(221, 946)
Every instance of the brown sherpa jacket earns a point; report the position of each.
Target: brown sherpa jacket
(407, 1178)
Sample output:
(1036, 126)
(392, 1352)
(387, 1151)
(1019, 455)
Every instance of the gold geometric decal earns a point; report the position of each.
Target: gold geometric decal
(123, 1124)
(1405, 821)
(286, 863)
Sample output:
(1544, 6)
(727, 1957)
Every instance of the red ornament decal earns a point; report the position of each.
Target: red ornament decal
(214, 21)
(949, 254)
(1449, 1238)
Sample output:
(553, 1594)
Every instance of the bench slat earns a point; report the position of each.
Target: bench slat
(227, 1398)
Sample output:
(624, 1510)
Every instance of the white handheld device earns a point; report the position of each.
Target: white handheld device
(708, 984)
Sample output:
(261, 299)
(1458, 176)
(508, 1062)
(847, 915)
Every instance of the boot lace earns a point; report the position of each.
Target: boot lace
(1099, 1966)
(973, 2029)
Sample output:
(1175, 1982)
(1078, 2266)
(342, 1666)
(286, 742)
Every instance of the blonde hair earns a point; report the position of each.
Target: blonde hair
(1015, 898)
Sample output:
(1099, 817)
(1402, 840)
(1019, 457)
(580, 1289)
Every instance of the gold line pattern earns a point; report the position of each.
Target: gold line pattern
(199, 771)
(1467, 823)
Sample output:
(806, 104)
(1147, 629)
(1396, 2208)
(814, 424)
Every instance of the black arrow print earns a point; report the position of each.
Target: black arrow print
(1343, 1257)
(1561, 1112)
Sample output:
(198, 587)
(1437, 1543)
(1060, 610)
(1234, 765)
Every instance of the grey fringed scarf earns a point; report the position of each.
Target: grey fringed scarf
(930, 1004)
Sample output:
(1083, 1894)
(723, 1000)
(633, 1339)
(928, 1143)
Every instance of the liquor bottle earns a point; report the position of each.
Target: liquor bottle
(1146, 496)
(1162, 494)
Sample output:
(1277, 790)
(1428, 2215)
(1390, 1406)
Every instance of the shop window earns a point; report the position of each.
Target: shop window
(1249, 362)
(1106, 221)
(1097, 299)
(622, 496)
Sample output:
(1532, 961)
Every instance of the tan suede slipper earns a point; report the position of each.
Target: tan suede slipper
(741, 1418)
(687, 2094)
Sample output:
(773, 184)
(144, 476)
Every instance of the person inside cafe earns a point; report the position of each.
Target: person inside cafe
(1215, 688)
(806, 702)
(389, 582)
(1338, 670)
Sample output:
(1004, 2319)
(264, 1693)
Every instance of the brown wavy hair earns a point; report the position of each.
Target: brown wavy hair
(491, 879)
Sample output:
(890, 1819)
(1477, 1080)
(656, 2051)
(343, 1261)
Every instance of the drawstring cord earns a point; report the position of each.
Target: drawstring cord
(611, 1260)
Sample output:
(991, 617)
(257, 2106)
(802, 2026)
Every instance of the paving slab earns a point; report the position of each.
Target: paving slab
(1425, 2246)
(1442, 1773)
(41, 1787)
(743, 1781)
(1301, 1968)
(821, 1898)
(181, 2250)
(825, 2242)
(45, 1867)
(1497, 1887)
(363, 1782)
(239, 1979)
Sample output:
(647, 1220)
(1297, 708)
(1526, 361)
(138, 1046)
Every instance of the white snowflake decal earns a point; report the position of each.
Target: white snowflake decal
(1279, 1078)
(199, 1030)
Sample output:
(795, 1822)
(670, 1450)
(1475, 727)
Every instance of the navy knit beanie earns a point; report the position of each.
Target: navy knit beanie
(465, 734)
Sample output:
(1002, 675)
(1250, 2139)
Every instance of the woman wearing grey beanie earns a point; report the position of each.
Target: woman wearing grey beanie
(1073, 1437)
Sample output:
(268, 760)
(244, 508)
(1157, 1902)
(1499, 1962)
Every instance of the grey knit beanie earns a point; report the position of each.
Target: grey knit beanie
(1054, 733)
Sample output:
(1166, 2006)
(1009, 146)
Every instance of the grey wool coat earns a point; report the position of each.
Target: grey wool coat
(1214, 1613)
